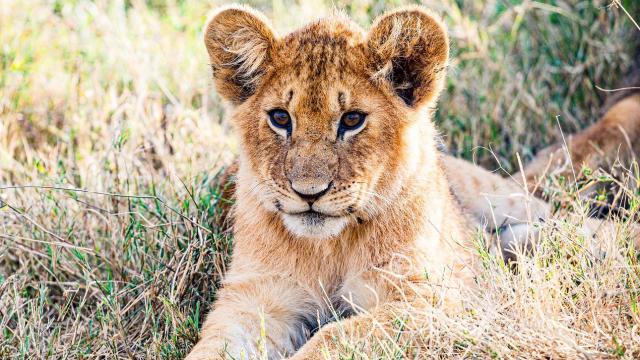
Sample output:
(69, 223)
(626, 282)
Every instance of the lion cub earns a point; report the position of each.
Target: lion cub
(343, 207)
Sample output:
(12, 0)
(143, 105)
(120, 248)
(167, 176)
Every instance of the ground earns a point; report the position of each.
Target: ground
(112, 141)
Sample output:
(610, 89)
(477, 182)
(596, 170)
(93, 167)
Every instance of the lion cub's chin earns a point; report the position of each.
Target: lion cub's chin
(314, 225)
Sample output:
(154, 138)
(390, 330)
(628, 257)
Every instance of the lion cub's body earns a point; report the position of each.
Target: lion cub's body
(332, 223)
(306, 283)
(388, 221)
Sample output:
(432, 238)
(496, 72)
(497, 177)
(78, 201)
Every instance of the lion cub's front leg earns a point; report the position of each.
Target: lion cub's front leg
(328, 342)
(260, 317)
(363, 333)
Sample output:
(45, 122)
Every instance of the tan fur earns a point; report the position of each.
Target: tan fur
(391, 233)
(504, 207)
(388, 186)
(615, 137)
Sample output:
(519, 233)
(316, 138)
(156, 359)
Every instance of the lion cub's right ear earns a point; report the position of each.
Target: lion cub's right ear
(409, 49)
(239, 41)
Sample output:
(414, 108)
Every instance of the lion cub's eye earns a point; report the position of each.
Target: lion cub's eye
(280, 119)
(350, 121)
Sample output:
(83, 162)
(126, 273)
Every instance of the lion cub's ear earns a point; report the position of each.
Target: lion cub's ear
(239, 41)
(409, 49)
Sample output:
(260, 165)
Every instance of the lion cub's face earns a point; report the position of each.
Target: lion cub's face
(326, 115)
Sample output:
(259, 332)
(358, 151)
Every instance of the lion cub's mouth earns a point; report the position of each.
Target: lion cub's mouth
(311, 216)
(314, 224)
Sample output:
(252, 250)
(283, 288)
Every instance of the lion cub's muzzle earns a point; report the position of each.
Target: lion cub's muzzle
(310, 169)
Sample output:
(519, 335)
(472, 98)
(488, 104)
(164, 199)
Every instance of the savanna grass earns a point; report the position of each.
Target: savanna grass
(112, 144)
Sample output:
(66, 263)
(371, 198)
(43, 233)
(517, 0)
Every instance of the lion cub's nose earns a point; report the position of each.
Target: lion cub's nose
(310, 193)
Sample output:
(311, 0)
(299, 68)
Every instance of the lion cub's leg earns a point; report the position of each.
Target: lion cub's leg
(492, 201)
(505, 208)
(498, 205)
(256, 317)
(329, 342)
(392, 304)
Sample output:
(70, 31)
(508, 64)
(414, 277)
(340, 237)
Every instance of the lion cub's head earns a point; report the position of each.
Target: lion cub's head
(333, 120)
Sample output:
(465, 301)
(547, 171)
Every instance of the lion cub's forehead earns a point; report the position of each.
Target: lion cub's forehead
(319, 63)
(322, 47)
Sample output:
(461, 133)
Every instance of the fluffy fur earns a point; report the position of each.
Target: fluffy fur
(388, 232)
(292, 269)
(616, 137)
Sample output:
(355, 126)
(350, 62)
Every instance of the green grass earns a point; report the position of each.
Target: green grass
(112, 140)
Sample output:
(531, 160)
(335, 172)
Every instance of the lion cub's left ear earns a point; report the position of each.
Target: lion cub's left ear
(409, 49)
(240, 44)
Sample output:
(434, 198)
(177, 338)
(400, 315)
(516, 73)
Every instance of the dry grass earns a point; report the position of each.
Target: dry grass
(111, 143)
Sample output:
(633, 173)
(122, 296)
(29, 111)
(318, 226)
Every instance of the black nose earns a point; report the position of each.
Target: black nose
(310, 198)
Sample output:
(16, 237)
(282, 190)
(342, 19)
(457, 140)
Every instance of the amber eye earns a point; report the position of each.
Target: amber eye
(280, 119)
(351, 120)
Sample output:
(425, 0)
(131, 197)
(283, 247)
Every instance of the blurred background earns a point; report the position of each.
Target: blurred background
(112, 138)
